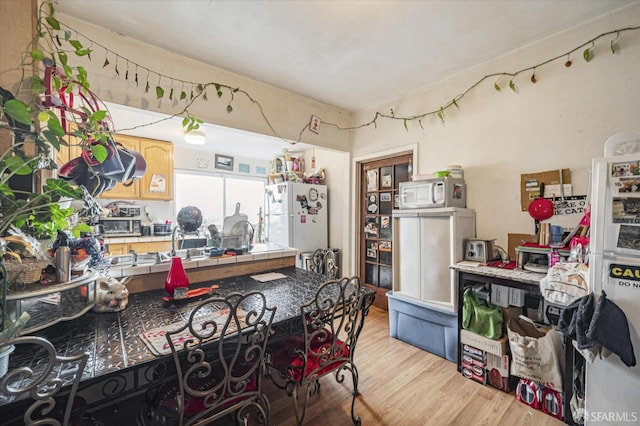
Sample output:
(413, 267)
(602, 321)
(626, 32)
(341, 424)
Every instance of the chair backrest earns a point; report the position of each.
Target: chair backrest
(220, 362)
(333, 321)
(50, 380)
(323, 261)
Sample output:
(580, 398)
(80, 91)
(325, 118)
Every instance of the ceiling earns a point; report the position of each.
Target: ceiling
(349, 54)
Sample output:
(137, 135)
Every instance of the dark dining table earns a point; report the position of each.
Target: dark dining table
(121, 365)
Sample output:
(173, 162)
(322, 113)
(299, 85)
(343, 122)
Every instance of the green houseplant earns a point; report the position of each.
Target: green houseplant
(35, 122)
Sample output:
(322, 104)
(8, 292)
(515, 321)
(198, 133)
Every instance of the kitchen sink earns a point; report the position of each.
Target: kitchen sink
(192, 253)
(190, 243)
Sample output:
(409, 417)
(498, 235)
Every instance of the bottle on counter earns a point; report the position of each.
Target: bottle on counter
(177, 281)
(554, 256)
(63, 259)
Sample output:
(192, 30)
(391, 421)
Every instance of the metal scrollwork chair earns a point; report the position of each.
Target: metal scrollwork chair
(332, 323)
(323, 261)
(219, 359)
(45, 383)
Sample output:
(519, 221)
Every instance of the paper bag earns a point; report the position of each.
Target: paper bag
(537, 352)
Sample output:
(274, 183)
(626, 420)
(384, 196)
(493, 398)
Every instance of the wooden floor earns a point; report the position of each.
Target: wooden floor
(402, 385)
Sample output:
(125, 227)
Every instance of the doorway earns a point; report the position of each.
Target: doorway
(378, 196)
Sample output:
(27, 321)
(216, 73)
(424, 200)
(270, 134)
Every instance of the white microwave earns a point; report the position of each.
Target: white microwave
(431, 193)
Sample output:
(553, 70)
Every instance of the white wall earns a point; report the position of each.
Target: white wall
(562, 121)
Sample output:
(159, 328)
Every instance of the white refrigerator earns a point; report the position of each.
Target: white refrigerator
(611, 395)
(296, 216)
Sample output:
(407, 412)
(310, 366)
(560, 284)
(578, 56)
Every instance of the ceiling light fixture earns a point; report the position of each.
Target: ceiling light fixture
(194, 138)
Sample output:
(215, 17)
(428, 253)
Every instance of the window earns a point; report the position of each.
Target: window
(216, 195)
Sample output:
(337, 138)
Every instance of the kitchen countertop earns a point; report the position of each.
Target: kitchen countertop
(259, 252)
(147, 239)
(509, 274)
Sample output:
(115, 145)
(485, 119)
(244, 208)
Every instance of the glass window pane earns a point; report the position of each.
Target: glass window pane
(386, 279)
(371, 274)
(402, 174)
(189, 192)
(249, 193)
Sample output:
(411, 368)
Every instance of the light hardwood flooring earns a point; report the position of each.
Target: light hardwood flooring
(401, 385)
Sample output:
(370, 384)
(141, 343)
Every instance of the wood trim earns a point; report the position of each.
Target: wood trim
(155, 281)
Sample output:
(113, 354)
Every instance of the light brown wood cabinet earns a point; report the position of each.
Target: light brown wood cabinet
(68, 152)
(132, 190)
(159, 158)
(119, 249)
(151, 246)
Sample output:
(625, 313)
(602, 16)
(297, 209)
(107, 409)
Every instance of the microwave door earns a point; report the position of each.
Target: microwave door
(438, 194)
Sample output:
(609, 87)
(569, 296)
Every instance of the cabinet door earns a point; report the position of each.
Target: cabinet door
(406, 279)
(118, 249)
(151, 246)
(157, 182)
(435, 242)
(121, 191)
(68, 152)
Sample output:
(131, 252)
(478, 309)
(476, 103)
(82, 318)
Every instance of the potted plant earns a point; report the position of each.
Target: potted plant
(35, 121)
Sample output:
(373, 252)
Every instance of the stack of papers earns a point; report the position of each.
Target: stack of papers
(269, 276)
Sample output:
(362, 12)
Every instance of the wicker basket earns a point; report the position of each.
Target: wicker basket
(27, 272)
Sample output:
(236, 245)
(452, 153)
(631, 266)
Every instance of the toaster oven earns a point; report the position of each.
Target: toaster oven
(162, 229)
(120, 227)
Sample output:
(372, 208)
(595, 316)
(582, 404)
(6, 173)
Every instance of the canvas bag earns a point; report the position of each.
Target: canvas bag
(481, 318)
(565, 282)
(537, 352)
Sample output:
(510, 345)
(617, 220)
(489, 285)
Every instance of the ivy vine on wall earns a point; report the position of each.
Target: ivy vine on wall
(160, 85)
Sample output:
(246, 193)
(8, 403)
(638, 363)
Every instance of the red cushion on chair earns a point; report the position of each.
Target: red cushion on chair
(194, 405)
(286, 357)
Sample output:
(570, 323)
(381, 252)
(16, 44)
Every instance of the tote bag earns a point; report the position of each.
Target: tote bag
(479, 317)
(537, 352)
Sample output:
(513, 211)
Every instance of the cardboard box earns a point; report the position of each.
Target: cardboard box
(474, 363)
(498, 372)
(473, 356)
(476, 373)
(516, 297)
(515, 240)
(510, 312)
(497, 347)
(552, 312)
(499, 295)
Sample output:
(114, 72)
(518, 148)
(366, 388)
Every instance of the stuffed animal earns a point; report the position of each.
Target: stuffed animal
(111, 295)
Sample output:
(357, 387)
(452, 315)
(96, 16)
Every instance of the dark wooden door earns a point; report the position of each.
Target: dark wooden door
(378, 194)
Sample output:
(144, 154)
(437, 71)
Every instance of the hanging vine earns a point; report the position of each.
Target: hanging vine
(190, 91)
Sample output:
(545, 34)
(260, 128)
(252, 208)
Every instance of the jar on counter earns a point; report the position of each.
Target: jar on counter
(554, 256)
(455, 171)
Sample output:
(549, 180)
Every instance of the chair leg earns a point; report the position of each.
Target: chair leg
(354, 376)
(310, 389)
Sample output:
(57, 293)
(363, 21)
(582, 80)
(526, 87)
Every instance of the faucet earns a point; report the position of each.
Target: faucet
(173, 241)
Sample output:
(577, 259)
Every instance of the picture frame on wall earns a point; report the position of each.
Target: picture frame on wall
(224, 162)
(372, 180)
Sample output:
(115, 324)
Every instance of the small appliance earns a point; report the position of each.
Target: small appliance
(433, 193)
(120, 227)
(478, 250)
(119, 209)
(162, 229)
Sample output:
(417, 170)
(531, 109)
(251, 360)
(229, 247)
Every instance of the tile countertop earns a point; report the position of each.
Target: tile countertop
(259, 252)
(147, 239)
(509, 274)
